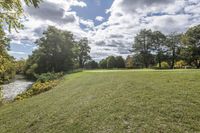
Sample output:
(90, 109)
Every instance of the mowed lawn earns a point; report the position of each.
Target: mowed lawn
(111, 102)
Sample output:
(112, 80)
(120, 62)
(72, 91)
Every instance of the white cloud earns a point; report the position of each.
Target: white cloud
(88, 23)
(116, 35)
(99, 18)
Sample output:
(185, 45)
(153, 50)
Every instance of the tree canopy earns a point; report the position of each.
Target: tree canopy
(11, 11)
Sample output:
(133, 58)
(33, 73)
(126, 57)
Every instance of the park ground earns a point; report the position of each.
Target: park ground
(115, 101)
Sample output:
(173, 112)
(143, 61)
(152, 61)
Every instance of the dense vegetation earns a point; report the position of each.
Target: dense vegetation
(120, 101)
(153, 49)
(57, 52)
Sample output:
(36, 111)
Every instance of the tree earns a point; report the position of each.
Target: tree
(111, 62)
(11, 11)
(129, 62)
(54, 53)
(7, 69)
(173, 45)
(103, 64)
(19, 66)
(120, 63)
(191, 41)
(159, 47)
(91, 65)
(82, 50)
(143, 45)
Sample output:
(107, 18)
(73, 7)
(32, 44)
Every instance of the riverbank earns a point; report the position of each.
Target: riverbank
(18, 85)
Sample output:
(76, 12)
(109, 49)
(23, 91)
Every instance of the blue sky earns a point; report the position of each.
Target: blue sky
(109, 25)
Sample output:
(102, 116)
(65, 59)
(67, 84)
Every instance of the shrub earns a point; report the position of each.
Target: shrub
(164, 65)
(37, 88)
(180, 64)
(48, 76)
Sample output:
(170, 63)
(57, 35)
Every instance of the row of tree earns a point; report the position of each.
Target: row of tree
(153, 47)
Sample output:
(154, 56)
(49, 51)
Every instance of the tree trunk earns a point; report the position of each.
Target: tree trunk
(159, 61)
(160, 66)
(173, 59)
(80, 63)
(197, 63)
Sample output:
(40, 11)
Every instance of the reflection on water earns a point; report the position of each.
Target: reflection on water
(11, 90)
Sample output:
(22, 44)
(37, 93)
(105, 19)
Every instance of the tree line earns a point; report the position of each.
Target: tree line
(154, 47)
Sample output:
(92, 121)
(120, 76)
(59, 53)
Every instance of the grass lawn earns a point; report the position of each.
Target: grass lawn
(111, 102)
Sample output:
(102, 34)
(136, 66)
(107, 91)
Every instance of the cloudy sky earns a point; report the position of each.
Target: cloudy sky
(110, 25)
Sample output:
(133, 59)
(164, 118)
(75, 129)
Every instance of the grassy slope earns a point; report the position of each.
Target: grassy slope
(111, 102)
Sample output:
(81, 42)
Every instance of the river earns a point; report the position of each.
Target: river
(18, 86)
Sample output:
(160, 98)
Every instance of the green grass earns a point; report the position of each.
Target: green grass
(111, 102)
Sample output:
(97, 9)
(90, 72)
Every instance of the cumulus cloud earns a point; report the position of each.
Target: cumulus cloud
(127, 17)
(99, 18)
(116, 35)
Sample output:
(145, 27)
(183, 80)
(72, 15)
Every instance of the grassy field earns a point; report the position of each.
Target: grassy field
(111, 102)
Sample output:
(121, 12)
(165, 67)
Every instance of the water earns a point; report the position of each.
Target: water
(18, 86)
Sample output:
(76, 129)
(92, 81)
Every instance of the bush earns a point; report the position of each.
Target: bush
(164, 65)
(37, 88)
(180, 64)
(48, 76)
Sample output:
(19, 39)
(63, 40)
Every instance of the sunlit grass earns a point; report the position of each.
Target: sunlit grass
(111, 101)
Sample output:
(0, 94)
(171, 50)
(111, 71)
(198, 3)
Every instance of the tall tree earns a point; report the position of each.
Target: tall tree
(82, 50)
(174, 45)
(143, 45)
(7, 69)
(111, 62)
(120, 63)
(159, 45)
(191, 40)
(54, 53)
(129, 62)
(103, 64)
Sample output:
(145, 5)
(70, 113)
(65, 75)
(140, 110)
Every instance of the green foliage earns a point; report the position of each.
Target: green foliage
(120, 63)
(54, 53)
(143, 46)
(91, 65)
(48, 76)
(20, 66)
(191, 41)
(111, 62)
(7, 69)
(12, 10)
(81, 52)
(164, 65)
(174, 45)
(103, 64)
(159, 46)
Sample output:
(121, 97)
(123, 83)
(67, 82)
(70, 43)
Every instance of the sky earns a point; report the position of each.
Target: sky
(109, 25)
